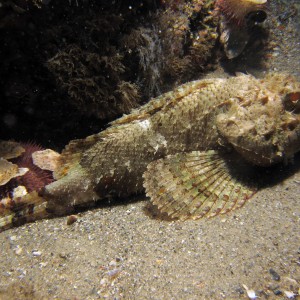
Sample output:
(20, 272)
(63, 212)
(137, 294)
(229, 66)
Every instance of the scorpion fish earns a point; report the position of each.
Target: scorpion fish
(191, 150)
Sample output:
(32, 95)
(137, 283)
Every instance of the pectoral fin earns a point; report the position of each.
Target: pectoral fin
(197, 184)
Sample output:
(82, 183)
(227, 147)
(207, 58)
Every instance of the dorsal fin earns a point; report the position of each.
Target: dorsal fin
(166, 100)
(72, 154)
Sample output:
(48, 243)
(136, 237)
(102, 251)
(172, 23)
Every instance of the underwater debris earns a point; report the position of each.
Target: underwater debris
(9, 170)
(162, 147)
(289, 294)
(46, 159)
(250, 293)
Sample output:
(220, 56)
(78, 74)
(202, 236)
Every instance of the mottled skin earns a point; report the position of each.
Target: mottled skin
(190, 149)
(115, 160)
(241, 113)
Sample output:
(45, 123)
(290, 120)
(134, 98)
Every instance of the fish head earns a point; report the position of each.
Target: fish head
(263, 121)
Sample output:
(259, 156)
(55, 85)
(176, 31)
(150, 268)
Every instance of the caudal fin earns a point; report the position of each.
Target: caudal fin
(21, 210)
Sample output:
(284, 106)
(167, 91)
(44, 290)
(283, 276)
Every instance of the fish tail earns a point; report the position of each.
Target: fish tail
(16, 212)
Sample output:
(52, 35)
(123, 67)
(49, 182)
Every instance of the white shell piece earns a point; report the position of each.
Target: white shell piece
(19, 191)
(46, 159)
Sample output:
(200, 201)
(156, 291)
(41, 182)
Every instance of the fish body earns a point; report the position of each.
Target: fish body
(114, 161)
(179, 147)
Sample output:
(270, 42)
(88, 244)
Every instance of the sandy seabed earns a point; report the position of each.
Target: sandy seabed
(119, 252)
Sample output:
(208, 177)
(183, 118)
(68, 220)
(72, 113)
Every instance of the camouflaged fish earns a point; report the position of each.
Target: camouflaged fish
(189, 149)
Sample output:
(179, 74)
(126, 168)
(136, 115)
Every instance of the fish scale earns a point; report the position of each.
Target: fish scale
(187, 148)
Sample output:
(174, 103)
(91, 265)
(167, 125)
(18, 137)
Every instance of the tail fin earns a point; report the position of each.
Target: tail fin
(15, 212)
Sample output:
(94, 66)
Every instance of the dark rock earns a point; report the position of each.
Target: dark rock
(277, 292)
(274, 274)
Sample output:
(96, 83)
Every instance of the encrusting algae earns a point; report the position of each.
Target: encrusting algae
(192, 149)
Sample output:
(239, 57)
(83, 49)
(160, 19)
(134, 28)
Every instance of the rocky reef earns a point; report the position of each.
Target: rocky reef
(94, 61)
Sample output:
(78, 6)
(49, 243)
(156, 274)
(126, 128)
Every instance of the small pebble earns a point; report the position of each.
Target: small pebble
(277, 292)
(274, 274)
(63, 255)
(103, 281)
(113, 272)
(36, 253)
(71, 219)
(18, 250)
(289, 294)
(43, 264)
(113, 263)
(250, 293)
(240, 291)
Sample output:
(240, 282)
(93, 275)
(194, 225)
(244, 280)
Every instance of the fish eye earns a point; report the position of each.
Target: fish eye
(291, 102)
